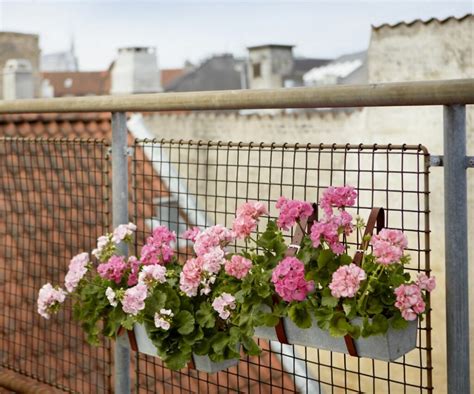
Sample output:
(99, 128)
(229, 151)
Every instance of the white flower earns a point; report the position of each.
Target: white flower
(110, 294)
(123, 231)
(163, 319)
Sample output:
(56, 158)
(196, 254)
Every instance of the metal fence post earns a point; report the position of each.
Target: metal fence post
(120, 216)
(455, 217)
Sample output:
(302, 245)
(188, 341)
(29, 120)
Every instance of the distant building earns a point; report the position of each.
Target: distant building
(220, 72)
(135, 71)
(64, 61)
(18, 81)
(24, 47)
(346, 69)
(274, 66)
(64, 84)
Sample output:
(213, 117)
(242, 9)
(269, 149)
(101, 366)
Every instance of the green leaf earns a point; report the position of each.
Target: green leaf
(270, 320)
(339, 326)
(299, 314)
(325, 256)
(177, 360)
(184, 320)
(128, 322)
(398, 322)
(250, 346)
(219, 341)
(374, 306)
(329, 300)
(205, 316)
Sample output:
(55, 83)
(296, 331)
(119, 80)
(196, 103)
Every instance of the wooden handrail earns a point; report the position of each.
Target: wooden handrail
(445, 92)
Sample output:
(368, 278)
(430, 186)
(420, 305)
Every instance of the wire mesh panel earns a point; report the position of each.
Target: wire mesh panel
(201, 184)
(53, 205)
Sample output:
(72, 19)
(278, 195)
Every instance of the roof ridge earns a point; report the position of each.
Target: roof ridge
(425, 22)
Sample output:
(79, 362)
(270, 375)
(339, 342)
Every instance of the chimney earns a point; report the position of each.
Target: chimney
(136, 71)
(268, 65)
(18, 82)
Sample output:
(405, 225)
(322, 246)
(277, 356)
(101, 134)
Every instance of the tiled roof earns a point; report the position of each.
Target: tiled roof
(78, 83)
(168, 75)
(424, 22)
(54, 202)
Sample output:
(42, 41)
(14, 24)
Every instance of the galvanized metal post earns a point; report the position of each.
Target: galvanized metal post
(455, 216)
(120, 216)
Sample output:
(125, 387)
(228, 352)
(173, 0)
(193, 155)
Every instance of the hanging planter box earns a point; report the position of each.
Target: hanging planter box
(387, 347)
(201, 363)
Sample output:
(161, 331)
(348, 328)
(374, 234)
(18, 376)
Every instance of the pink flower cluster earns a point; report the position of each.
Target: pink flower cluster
(246, 219)
(49, 298)
(291, 211)
(327, 230)
(238, 266)
(152, 273)
(289, 281)
(203, 269)
(212, 237)
(134, 266)
(77, 270)
(223, 305)
(339, 197)
(123, 231)
(157, 249)
(346, 281)
(425, 282)
(134, 299)
(388, 246)
(191, 234)
(113, 269)
(190, 277)
(409, 301)
(332, 225)
(163, 319)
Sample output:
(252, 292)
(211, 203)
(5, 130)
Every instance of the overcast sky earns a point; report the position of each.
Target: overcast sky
(195, 30)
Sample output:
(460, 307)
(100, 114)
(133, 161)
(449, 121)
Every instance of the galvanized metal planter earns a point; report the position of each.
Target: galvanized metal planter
(388, 347)
(201, 363)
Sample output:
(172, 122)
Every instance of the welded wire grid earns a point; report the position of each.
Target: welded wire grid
(202, 183)
(53, 204)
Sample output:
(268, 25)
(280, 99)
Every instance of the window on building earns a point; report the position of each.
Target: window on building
(257, 70)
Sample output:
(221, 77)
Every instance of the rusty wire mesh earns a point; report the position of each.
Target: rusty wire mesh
(53, 204)
(202, 183)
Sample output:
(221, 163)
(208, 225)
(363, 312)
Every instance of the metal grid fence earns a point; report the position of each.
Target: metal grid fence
(202, 183)
(54, 202)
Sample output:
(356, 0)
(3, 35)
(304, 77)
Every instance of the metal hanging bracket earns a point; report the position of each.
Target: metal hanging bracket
(438, 161)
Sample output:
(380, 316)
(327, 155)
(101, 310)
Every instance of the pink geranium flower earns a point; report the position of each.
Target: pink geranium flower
(49, 299)
(223, 305)
(158, 249)
(77, 270)
(388, 246)
(291, 211)
(113, 269)
(191, 234)
(346, 281)
(409, 301)
(238, 266)
(425, 282)
(338, 197)
(289, 281)
(190, 276)
(150, 274)
(134, 299)
(211, 237)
